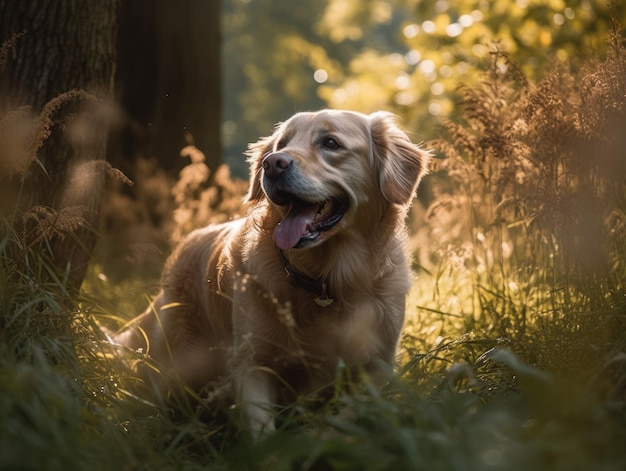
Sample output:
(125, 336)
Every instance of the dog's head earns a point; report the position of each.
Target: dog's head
(322, 171)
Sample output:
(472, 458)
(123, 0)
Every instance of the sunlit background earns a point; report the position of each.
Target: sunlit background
(404, 56)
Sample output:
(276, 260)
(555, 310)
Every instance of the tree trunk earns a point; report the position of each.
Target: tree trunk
(62, 66)
(168, 81)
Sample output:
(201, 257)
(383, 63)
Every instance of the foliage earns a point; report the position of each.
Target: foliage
(538, 172)
(139, 233)
(198, 205)
(403, 56)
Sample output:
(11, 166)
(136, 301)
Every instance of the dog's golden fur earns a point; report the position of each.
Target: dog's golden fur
(228, 309)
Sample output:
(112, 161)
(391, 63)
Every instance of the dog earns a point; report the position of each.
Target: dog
(314, 276)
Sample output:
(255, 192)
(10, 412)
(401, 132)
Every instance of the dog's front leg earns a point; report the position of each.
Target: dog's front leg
(256, 393)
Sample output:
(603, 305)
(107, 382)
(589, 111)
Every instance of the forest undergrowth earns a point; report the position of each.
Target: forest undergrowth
(514, 351)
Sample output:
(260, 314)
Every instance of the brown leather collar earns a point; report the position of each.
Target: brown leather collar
(316, 286)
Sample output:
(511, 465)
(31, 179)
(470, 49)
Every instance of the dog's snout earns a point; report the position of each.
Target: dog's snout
(276, 163)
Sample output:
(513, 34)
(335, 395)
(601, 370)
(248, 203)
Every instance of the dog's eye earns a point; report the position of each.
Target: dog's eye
(281, 144)
(330, 143)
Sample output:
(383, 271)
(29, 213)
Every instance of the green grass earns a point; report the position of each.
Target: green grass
(463, 403)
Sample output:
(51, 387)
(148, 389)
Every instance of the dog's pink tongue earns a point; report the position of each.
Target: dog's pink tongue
(291, 229)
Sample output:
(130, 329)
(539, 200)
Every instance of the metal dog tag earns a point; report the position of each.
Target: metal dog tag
(324, 300)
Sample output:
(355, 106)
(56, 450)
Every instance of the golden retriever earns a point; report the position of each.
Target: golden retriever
(314, 276)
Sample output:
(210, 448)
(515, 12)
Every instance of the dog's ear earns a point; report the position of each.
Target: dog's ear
(400, 163)
(256, 152)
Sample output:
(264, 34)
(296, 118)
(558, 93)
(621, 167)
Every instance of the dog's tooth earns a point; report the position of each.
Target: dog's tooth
(312, 234)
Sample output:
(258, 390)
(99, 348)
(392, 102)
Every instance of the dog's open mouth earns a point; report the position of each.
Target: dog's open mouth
(305, 222)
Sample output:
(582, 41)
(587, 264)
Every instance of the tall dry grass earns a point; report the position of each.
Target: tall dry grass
(527, 226)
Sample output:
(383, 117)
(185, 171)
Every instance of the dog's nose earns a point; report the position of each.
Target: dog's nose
(276, 163)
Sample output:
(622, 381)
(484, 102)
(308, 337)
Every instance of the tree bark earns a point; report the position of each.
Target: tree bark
(62, 66)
